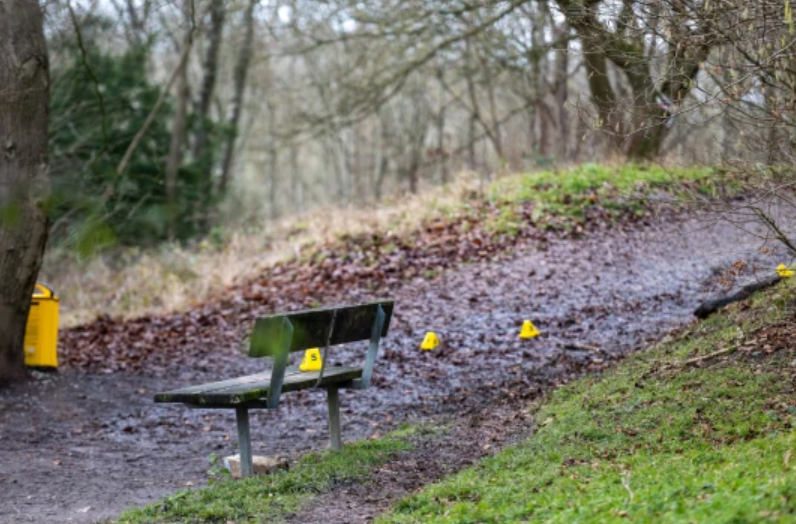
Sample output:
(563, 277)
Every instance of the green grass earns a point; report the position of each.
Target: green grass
(652, 441)
(559, 187)
(270, 498)
(568, 195)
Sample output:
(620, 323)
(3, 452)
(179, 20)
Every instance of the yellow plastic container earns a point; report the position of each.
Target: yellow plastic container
(41, 332)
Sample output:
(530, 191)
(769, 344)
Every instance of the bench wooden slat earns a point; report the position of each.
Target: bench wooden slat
(240, 390)
(209, 386)
(311, 327)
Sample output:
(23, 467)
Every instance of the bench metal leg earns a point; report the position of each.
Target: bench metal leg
(333, 399)
(244, 442)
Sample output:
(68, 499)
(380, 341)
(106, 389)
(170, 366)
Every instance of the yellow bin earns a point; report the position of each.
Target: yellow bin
(41, 332)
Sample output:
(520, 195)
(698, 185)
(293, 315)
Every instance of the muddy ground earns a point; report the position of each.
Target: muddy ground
(80, 447)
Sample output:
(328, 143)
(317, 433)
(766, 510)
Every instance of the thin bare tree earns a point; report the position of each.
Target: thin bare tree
(239, 89)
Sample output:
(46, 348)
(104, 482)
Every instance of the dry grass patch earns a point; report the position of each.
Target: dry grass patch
(131, 282)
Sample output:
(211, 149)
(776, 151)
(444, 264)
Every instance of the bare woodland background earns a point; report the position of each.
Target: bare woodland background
(346, 103)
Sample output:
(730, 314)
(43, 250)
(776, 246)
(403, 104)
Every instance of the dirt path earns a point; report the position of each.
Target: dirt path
(76, 447)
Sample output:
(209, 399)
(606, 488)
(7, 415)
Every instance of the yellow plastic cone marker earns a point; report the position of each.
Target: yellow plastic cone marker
(312, 360)
(784, 272)
(430, 341)
(529, 330)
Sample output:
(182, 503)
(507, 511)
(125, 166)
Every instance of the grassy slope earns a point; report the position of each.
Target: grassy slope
(564, 199)
(264, 499)
(132, 282)
(570, 191)
(653, 440)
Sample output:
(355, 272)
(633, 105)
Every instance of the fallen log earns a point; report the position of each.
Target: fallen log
(709, 307)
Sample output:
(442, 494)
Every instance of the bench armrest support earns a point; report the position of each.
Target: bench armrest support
(373, 350)
(280, 364)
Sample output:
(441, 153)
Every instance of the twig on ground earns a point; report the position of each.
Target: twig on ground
(626, 485)
(702, 358)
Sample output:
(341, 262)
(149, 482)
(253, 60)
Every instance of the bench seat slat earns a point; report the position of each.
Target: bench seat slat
(240, 390)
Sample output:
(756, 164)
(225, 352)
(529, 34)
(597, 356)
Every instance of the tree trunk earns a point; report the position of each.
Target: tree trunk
(652, 106)
(330, 158)
(540, 67)
(385, 140)
(241, 72)
(645, 143)
(210, 74)
(345, 165)
(417, 132)
(496, 134)
(24, 181)
(649, 118)
(727, 152)
(441, 153)
(471, 154)
(273, 165)
(174, 160)
(561, 94)
(297, 179)
(602, 94)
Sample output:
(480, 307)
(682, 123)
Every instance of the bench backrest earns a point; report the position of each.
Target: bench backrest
(307, 329)
(278, 335)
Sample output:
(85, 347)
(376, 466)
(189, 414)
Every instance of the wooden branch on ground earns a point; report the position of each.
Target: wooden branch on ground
(574, 346)
(697, 360)
(709, 307)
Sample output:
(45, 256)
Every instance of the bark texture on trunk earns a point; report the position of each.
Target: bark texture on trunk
(441, 153)
(210, 74)
(561, 95)
(179, 126)
(24, 181)
(241, 72)
(178, 134)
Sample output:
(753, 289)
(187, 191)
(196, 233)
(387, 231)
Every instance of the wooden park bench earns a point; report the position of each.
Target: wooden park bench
(277, 336)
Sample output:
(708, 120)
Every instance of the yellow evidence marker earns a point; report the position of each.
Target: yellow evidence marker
(784, 272)
(430, 341)
(529, 330)
(312, 360)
